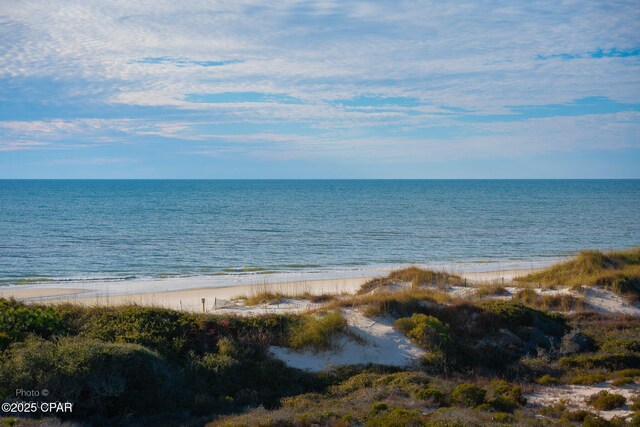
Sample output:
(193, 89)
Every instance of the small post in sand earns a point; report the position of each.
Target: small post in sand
(203, 305)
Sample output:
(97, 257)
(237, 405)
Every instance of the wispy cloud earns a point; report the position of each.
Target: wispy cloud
(384, 80)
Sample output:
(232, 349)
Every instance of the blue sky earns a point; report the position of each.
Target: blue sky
(323, 89)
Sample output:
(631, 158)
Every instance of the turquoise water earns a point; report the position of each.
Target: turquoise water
(62, 230)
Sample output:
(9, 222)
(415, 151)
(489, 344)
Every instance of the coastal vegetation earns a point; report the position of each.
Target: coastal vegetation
(618, 271)
(482, 357)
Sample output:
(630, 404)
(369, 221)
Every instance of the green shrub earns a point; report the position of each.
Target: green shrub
(513, 315)
(378, 407)
(318, 333)
(159, 329)
(629, 373)
(588, 379)
(17, 320)
(502, 417)
(100, 378)
(577, 416)
(470, 395)
(622, 381)
(602, 361)
(592, 420)
(433, 395)
(547, 380)
(395, 417)
(426, 331)
(605, 401)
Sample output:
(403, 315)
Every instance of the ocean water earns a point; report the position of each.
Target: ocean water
(123, 229)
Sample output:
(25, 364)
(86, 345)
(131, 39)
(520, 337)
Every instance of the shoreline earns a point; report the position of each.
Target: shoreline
(187, 293)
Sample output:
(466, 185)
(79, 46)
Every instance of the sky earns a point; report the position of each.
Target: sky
(319, 89)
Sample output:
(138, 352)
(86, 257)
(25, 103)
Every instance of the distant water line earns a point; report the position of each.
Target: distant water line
(127, 229)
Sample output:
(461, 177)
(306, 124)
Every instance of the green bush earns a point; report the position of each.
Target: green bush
(100, 378)
(592, 420)
(577, 416)
(470, 395)
(622, 381)
(507, 397)
(318, 332)
(513, 315)
(629, 373)
(395, 417)
(547, 380)
(602, 361)
(426, 331)
(17, 320)
(433, 395)
(605, 401)
(159, 329)
(588, 379)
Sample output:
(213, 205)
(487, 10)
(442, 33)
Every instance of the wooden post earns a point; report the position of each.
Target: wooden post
(203, 305)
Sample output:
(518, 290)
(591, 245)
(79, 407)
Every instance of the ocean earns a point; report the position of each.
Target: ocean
(83, 230)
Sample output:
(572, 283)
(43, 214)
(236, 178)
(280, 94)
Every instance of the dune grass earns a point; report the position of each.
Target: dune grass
(556, 302)
(491, 290)
(318, 332)
(418, 277)
(264, 298)
(618, 271)
(421, 277)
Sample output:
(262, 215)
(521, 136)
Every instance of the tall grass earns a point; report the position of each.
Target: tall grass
(420, 277)
(618, 271)
(556, 302)
(318, 332)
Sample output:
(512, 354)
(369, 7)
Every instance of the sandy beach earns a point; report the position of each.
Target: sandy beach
(187, 293)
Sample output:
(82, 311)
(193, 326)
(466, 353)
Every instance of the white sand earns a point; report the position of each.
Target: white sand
(216, 298)
(496, 276)
(29, 293)
(604, 301)
(574, 396)
(383, 346)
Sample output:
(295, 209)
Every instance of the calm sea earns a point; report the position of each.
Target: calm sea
(130, 229)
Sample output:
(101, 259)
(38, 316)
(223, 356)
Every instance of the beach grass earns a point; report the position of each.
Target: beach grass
(618, 271)
(318, 332)
(417, 277)
(491, 290)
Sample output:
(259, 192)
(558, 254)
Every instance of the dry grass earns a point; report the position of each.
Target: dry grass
(264, 298)
(393, 303)
(268, 297)
(418, 277)
(491, 290)
(318, 332)
(618, 271)
(556, 302)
